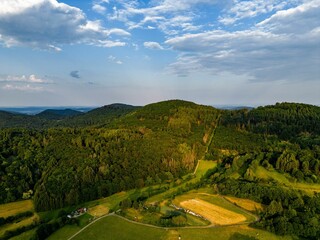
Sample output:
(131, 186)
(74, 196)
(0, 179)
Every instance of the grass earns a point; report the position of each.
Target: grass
(96, 208)
(15, 225)
(263, 173)
(281, 178)
(10, 209)
(247, 204)
(203, 167)
(227, 233)
(65, 232)
(115, 228)
(26, 235)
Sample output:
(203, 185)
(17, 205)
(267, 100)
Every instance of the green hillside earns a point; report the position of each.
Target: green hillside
(270, 155)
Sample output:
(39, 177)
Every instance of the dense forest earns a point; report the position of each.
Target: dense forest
(262, 154)
(65, 158)
(66, 166)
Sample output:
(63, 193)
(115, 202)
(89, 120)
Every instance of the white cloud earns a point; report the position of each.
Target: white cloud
(109, 44)
(48, 24)
(249, 9)
(169, 16)
(99, 8)
(299, 20)
(153, 45)
(24, 79)
(113, 59)
(283, 47)
(23, 88)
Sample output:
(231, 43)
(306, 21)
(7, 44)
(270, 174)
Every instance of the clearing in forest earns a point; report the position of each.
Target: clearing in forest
(245, 203)
(215, 214)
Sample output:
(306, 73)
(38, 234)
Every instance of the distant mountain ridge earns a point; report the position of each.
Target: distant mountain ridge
(36, 110)
(64, 117)
(55, 114)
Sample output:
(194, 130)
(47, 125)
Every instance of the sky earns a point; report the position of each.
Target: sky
(97, 52)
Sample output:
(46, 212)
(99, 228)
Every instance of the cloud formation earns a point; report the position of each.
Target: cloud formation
(282, 47)
(169, 16)
(153, 45)
(248, 9)
(24, 79)
(75, 74)
(23, 88)
(49, 24)
(113, 59)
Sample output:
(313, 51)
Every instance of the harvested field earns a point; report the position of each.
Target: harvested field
(10, 209)
(98, 211)
(245, 203)
(215, 214)
(19, 224)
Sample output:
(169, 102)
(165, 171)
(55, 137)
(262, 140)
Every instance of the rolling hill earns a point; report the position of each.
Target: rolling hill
(269, 155)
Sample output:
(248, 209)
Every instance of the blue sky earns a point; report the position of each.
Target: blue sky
(96, 52)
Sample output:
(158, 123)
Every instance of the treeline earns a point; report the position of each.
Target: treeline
(286, 120)
(67, 166)
(288, 212)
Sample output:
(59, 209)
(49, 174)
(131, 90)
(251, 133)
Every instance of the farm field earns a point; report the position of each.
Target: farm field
(115, 228)
(215, 214)
(22, 223)
(65, 232)
(247, 204)
(10, 209)
(14, 208)
(217, 204)
(25, 235)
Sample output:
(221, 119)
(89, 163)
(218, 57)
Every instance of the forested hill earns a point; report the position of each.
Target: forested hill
(56, 114)
(269, 154)
(286, 120)
(8, 119)
(66, 166)
(272, 155)
(65, 118)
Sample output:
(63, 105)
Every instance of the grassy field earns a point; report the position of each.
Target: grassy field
(64, 233)
(228, 232)
(14, 208)
(24, 236)
(96, 208)
(115, 228)
(245, 203)
(11, 209)
(203, 167)
(15, 225)
(263, 173)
